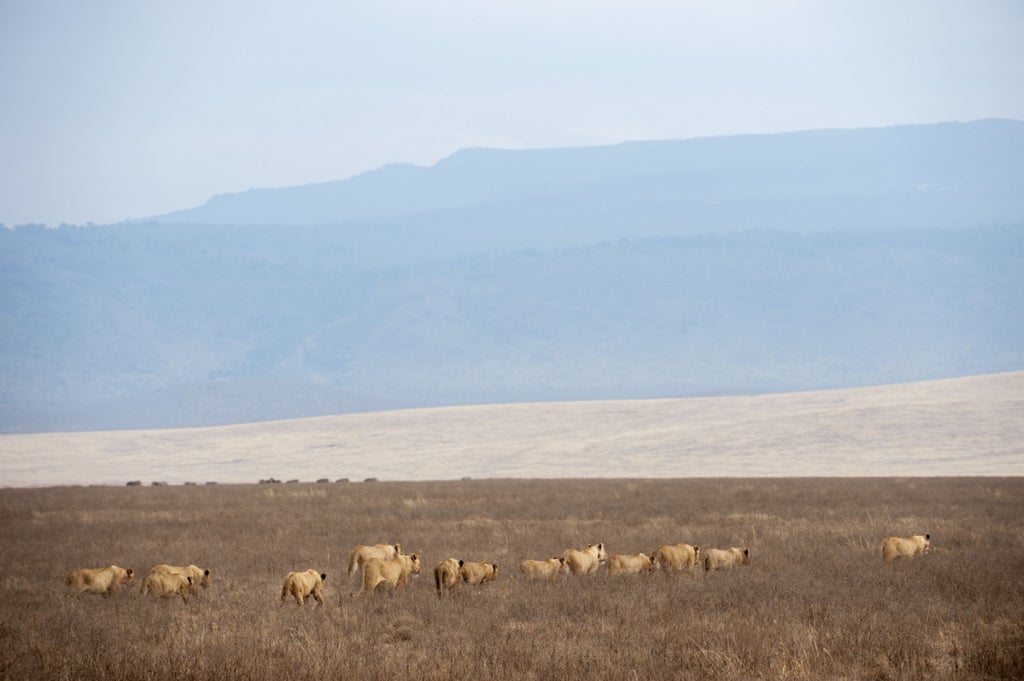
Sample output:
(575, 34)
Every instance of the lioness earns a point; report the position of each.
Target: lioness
(98, 580)
(393, 572)
(446, 575)
(360, 554)
(478, 573)
(543, 569)
(585, 562)
(304, 584)
(723, 559)
(629, 564)
(198, 576)
(166, 584)
(672, 557)
(905, 547)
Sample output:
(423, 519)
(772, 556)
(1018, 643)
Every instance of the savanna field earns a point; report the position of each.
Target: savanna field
(816, 602)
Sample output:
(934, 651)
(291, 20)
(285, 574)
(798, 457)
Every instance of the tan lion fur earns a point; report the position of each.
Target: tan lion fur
(166, 584)
(587, 561)
(673, 557)
(446, 575)
(99, 580)
(360, 554)
(478, 573)
(629, 564)
(199, 576)
(301, 585)
(393, 572)
(543, 569)
(723, 559)
(905, 547)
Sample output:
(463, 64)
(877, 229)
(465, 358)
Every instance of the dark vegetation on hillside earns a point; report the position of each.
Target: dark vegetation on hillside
(155, 326)
(816, 602)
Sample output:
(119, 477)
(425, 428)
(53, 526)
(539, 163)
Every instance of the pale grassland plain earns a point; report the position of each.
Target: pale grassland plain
(964, 426)
(817, 601)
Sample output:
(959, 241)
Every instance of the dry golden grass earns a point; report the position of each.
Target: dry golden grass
(964, 426)
(816, 602)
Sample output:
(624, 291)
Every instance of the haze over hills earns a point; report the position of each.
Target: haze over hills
(748, 264)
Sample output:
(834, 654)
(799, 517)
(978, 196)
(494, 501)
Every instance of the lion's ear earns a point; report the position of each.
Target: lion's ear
(323, 576)
(460, 563)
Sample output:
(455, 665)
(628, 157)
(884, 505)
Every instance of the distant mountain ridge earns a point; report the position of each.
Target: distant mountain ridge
(825, 259)
(941, 170)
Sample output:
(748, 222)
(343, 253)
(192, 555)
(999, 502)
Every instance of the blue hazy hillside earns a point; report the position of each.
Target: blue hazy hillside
(911, 176)
(746, 264)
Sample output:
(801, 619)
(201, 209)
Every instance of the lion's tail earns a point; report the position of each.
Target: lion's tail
(353, 562)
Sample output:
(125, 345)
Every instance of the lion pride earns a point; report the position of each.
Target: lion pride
(166, 584)
(478, 573)
(543, 569)
(905, 547)
(360, 554)
(198, 576)
(723, 559)
(672, 557)
(98, 580)
(446, 575)
(301, 585)
(629, 564)
(586, 561)
(393, 572)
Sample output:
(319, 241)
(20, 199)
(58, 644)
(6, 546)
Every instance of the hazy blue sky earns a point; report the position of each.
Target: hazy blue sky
(115, 110)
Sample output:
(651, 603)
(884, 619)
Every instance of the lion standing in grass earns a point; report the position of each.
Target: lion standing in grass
(360, 554)
(393, 572)
(629, 564)
(543, 569)
(723, 559)
(104, 581)
(198, 576)
(446, 575)
(478, 573)
(673, 557)
(166, 585)
(905, 547)
(301, 585)
(586, 561)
